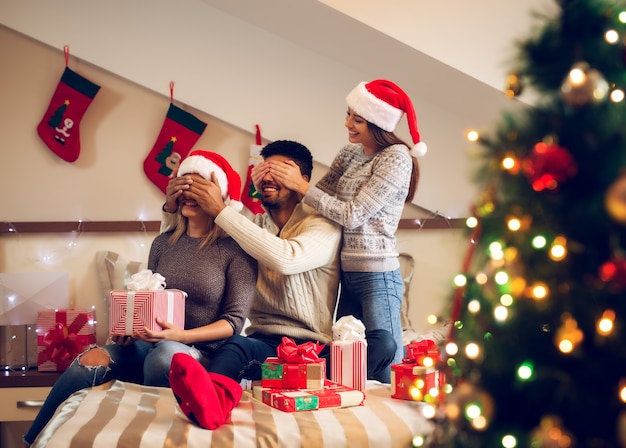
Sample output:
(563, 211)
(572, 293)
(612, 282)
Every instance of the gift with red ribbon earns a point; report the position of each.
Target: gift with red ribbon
(295, 366)
(61, 336)
(332, 395)
(417, 352)
(417, 377)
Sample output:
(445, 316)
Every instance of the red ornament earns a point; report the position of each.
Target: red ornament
(613, 272)
(548, 165)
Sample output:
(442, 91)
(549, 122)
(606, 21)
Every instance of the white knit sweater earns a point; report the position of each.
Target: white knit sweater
(298, 278)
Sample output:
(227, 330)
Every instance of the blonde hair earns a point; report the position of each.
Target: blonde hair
(214, 232)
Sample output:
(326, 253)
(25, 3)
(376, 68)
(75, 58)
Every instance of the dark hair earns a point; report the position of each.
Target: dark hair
(384, 139)
(297, 152)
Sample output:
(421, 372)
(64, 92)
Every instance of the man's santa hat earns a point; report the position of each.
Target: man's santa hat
(206, 162)
(383, 103)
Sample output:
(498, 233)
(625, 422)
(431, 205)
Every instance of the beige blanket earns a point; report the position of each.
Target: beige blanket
(119, 414)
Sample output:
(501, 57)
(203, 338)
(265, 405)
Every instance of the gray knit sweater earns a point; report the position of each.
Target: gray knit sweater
(365, 195)
(219, 280)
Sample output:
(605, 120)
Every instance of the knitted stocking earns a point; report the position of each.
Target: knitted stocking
(206, 398)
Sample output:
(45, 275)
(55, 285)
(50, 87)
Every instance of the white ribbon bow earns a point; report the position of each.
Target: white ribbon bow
(348, 328)
(146, 281)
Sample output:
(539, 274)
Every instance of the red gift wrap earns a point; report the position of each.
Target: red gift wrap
(61, 336)
(332, 395)
(132, 310)
(417, 377)
(295, 367)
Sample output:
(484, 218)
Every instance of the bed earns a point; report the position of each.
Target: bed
(120, 414)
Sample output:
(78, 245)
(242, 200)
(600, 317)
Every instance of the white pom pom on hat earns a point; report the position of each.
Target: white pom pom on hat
(206, 162)
(383, 103)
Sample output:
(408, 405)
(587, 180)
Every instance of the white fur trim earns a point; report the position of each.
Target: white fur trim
(204, 167)
(236, 205)
(419, 150)
(373, 109)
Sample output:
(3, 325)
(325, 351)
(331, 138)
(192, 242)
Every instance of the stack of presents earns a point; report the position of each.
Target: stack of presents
(296, 379)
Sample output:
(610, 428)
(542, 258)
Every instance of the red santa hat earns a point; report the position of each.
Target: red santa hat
(206, 162)
(383, 103)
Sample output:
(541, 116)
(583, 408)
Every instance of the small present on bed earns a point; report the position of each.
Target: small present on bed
(417, 378)
(144, 301)
(332, 395)
(348, 353)
(62, 335)
(295, 366)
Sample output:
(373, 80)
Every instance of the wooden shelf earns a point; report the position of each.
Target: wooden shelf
(154, 226)
(79, 226)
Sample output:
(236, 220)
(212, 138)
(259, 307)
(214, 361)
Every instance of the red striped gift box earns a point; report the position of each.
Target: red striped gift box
(132, 310)
(348, 363)
(61, 336)
(332, 395)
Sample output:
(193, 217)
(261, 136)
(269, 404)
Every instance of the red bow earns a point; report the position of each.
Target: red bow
(417, 351)
(61, 345)
(303, 353)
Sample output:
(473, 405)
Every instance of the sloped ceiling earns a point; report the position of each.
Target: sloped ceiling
(288, 64)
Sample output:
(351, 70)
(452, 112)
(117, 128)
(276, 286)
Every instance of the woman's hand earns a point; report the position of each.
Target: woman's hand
(169, 332)
(175, 188)
(258, 173)
(288, 174)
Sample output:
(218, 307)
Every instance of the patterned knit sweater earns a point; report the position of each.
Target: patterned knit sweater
(298, 271)
(365, 195)
(219, 280)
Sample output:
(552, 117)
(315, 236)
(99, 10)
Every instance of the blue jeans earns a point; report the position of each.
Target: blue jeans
(141, 362)
(375, 298)
(241, 357)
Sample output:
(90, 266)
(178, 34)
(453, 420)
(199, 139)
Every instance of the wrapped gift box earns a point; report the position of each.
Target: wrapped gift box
(278, 374)
(348, 363)
(410, 381)
(61, 335)
(133, 310)
(332, 395)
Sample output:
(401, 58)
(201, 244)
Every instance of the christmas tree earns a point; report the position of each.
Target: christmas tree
(537, 352)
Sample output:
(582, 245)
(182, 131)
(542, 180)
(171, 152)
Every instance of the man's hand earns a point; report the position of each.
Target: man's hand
(175, 188)
(208, 195)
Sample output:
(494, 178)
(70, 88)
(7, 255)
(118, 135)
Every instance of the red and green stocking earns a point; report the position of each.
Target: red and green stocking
(250, 197)
(60, 125)
(180, 131)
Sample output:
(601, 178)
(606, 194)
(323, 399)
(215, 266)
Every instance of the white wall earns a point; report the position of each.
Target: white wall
(107, 181)
(285, 65)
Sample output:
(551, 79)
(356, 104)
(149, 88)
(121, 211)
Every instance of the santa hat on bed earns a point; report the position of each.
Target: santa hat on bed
(206, 398)
(383, 103)
(206, 162)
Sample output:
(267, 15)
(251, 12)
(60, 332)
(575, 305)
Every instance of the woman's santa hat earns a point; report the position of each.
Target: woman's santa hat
(206, 162)
(383, 103)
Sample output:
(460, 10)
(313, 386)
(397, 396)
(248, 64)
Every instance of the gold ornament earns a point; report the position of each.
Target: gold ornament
(615, 200)
(584, 85)
(513, 86)
(550, 434)
(469, 406)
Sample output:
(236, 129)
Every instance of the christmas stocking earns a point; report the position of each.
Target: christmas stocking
(180, 131)
(60, 126)
(206, 398)
(249, 196)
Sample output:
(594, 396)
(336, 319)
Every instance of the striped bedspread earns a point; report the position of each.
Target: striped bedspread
(119, 414)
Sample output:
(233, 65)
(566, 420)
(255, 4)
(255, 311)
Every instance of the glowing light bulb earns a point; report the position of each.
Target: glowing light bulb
(472, 136)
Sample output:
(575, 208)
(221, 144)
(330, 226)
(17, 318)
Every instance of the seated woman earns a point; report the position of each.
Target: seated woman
(196, 257)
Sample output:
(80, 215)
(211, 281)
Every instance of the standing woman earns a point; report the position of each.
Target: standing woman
(197, 257)
(364, 191)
